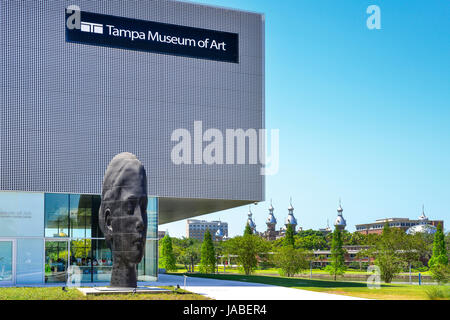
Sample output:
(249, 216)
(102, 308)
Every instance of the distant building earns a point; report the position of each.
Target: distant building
(322, 257)
(290, 220)
(195, 229)
(250, 221)
(424, 226)
(219, 233)
(400, 223)
(326, 230)
(271, 233)
(340, 222)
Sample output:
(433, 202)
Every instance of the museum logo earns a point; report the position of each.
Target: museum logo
(91, 27)
(131, 34)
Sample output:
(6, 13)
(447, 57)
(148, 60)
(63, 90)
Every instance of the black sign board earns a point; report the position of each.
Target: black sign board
(125, 33)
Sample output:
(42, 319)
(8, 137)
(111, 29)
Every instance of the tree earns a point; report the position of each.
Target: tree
(447, 241)
(439, 260)
(289, 236)
(167, 257)
(310, 242)
(412, 248)
(291, 261)
(357, 238)
(207, 254)
(192, 255)
(309, 232)
(187, 252)
(361, 254)
(247, 248)
(248, 230)
(337, 264)
(387, 253)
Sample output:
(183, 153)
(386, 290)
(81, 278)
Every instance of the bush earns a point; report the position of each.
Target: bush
(207, 255)
(354, 265)
(291, 261)
(437, 292)
(263, 265)
(167, 258)
(419, 269)
(440, 273)
(248, 249)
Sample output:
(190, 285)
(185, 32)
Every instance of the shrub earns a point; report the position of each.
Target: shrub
(437, 292)
(440, 273)
(207, 254)
(291, 261)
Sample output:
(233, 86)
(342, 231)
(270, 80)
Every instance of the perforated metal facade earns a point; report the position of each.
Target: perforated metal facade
(67, 109)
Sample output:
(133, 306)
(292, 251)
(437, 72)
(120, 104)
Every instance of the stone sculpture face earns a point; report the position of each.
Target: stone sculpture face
(123, 216)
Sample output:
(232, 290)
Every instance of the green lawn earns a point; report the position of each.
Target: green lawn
(56, 293)
(272, 271)
(351, 288)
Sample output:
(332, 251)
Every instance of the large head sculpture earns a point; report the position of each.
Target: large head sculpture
(123, 216)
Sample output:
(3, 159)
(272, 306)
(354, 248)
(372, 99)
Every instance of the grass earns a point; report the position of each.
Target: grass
(438, 293)
(350, 288)
(273, 271)
(56, 293)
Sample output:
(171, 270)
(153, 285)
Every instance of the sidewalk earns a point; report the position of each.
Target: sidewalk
(237, 290)
(226, 289)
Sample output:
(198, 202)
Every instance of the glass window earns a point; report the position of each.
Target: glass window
(80, 216)
(80, 256)
(152, 218)
(56, 215)
(102, 261)
(95, 228)
(148, 268)
(30, 261)
(76, 217)
(6, 261)
(56, 261)
(21, 214)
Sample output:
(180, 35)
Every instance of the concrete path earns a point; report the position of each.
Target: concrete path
(237, 290)
(227, 289)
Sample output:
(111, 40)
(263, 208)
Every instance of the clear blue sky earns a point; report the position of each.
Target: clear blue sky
(364, 115)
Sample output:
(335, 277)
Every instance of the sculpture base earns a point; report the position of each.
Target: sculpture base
(112, 290)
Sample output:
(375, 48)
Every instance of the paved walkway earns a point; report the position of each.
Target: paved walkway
(227, 289)
(237, 290)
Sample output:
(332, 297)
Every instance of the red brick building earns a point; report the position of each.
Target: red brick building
(401, 223)
(322, 257)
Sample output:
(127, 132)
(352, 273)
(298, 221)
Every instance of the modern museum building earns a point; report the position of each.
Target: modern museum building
(82, 81)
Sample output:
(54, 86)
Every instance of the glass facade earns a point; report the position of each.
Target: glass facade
(30, 260)
(51, 233)
(6, 261)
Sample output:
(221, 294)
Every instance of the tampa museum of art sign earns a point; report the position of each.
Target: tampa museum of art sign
(132, 34)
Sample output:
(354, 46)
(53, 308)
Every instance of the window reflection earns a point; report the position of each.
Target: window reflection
(75, 217)
(80, 256)
(152, 215)
(56, 253)
(80, 216)
(148, 267)
(56, 215)
(102, 261)
(6, 263)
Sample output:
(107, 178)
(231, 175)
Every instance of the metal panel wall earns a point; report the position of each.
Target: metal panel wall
(66, 109)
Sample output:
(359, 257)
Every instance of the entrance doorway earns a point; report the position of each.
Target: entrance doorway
(56, 260)
(7, 262)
